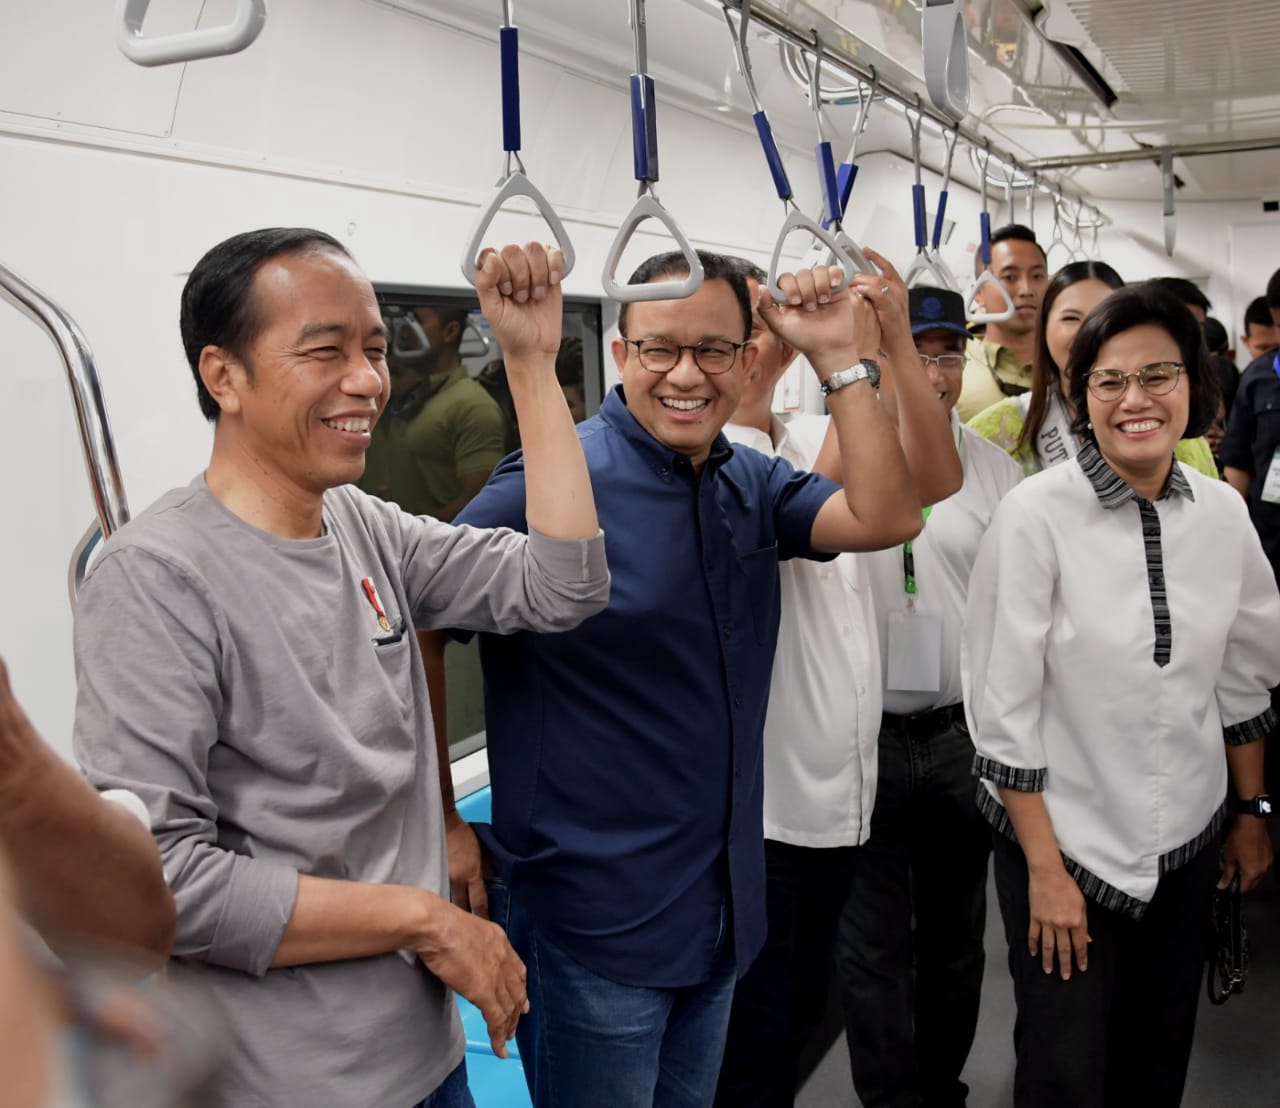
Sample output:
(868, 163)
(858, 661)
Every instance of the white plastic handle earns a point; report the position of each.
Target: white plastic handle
(946, 56)
(647, 207)
(189, 46)
(926, 269)
(986, 277)
(842, 251)
(516, 184)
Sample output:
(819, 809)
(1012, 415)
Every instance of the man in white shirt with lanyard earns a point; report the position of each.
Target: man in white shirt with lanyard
(824, 710)
(909, 1034)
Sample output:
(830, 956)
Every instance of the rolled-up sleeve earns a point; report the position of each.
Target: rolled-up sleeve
(148, 645)
(1251, 660)
(1006, 626)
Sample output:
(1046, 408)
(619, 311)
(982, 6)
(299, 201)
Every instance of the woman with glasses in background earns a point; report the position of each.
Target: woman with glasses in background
(1035, 428)
(1121, 628)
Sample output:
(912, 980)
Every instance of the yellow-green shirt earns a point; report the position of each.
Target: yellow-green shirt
(1002, 424)
(991, 372)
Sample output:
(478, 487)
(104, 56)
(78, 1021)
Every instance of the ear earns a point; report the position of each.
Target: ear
(787, 355)
(749, 355)
(452, 333)
(619, 348)
(225, 376)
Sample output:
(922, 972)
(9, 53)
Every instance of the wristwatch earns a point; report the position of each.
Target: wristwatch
(1260, 805)
(865, 370)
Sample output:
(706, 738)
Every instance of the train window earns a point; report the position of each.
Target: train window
(450, 420)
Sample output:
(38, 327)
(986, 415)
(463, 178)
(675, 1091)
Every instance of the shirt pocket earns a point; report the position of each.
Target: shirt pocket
(760, 575)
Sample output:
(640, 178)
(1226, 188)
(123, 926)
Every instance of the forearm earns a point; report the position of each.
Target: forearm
(333, 921)
(924, 426)
(559, 501)
(878, 488)
(1238, 479)
(85, 868)
(1245, 761)
(1030, 819)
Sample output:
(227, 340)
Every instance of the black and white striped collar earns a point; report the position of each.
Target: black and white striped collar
(1113, 490)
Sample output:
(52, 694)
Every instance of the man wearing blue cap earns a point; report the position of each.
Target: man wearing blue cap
(911, 1000)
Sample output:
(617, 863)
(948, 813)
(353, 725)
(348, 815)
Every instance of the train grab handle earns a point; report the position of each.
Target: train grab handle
(986, 277)
(644, 142)
(514, 180)
(187, 46)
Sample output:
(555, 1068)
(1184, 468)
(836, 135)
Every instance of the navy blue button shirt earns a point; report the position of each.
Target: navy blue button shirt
(625, 755)
(1251, 441)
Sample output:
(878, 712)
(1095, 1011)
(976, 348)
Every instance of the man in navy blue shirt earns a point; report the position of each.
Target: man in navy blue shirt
(625, 756)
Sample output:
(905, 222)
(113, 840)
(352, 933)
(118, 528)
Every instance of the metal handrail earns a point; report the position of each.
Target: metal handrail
(188, 46)
(96, 441)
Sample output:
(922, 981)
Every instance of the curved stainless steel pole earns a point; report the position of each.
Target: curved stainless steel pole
(86, 393)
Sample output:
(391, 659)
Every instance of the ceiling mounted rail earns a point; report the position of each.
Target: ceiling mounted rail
(837, 58)
(1152, 154)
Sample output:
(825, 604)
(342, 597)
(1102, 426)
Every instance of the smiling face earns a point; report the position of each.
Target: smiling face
(1137, 432)
(302, 402)
(1065, 316)
(684, 409)
(946, 382)
(1020, 267)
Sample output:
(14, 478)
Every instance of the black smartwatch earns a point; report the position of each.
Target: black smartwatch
(1259, 806)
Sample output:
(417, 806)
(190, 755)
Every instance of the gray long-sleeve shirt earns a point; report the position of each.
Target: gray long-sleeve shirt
(244, 686)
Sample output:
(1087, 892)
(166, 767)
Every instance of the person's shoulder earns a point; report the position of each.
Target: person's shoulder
(1258, 371)
(175, 521)
(1001, 418)
(988, 454)
(1215, 493)
(1196, 454)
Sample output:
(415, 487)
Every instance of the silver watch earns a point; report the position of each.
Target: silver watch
(865, 370)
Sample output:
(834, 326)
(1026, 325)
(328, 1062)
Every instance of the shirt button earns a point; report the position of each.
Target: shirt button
(737, 702)
(725, 629)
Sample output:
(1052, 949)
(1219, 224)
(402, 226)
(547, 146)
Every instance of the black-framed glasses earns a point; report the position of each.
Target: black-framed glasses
(711, 355)
(1157, 379)
(948, 363)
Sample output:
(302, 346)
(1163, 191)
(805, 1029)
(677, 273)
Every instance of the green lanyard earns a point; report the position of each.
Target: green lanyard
(909, 561)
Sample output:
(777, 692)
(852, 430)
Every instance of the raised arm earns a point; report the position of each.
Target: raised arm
(519, 290)
(924, 425)
(877, 506)
(85, 868)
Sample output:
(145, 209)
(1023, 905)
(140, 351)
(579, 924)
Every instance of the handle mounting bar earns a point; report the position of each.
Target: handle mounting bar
(514, 181)
(848, 171)
(946, 56)
(644, 140)
(188, 46)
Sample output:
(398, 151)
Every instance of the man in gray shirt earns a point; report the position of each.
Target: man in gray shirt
(247, 666)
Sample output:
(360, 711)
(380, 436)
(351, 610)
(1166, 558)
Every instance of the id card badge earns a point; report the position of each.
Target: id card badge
(915, 652)
(1271, 486)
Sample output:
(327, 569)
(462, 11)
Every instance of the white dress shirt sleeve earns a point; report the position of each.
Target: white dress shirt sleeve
(1251, 660)
(1007, 622)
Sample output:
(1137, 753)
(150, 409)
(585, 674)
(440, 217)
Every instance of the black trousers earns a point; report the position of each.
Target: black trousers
(781, 998)
(911, 994)
(1119, 1033)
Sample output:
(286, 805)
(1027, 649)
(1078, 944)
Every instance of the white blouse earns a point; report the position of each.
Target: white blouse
(1111, 645)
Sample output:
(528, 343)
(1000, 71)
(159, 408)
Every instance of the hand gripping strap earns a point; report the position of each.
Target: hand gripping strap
(797, 221)
(647, 207)
(517, 184)
(188, 46)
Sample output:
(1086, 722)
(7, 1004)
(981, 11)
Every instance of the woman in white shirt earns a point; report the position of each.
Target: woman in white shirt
(1122, 623)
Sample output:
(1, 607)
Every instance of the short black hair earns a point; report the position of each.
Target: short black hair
(674, 265)
(1215, 336)
(1186, 291)
(1257, 314)
(1133, 306)
(1273, 290)
(1010, 232)
(217, 302)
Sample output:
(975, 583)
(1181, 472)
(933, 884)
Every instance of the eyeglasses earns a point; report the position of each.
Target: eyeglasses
(946, 362)
(1157, 379)
(711, 356)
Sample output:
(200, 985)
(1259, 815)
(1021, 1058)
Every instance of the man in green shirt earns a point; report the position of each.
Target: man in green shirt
(443, 433)
(999, 364)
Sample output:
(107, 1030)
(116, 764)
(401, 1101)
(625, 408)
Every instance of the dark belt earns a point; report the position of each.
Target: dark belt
(923, 724)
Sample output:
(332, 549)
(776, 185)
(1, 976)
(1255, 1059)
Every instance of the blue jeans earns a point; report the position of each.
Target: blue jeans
(453, 1093)
(589, 1042)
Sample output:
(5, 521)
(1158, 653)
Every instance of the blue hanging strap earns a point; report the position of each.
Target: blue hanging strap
(509, 47)
(832, 205)
(939, 220)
